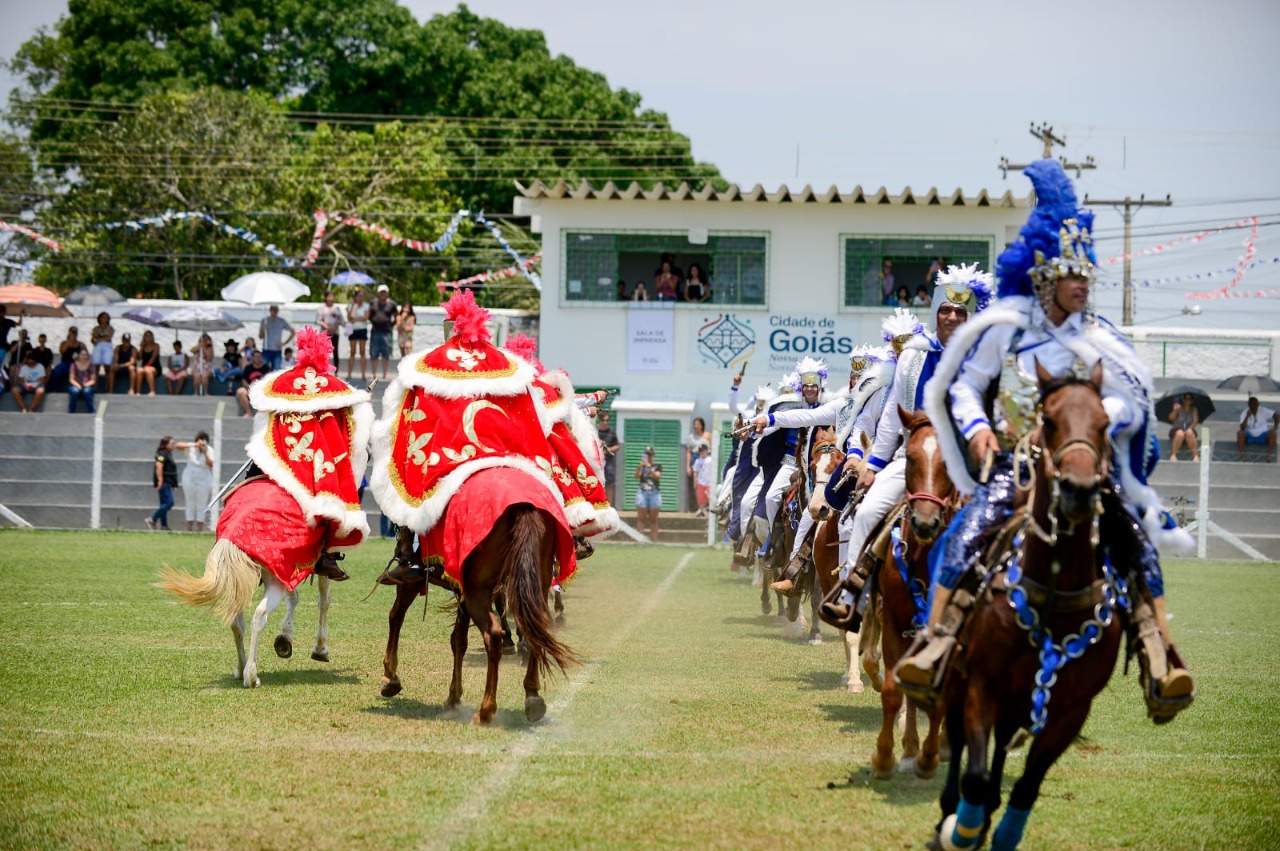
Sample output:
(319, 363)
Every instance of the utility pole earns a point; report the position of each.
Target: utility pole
(1045, 134)
(1129, 206)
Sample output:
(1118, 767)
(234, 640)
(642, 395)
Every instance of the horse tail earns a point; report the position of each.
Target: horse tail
(230, 577)
(522, 586)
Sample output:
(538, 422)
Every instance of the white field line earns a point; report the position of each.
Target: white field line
(457, 825)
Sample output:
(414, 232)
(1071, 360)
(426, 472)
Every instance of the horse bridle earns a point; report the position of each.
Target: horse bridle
(1053, 466)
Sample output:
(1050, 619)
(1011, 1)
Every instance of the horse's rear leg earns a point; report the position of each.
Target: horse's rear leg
(882, 763)
(321, 651)
(458, 641)
(271, 596)
(965, 827)
(405, 595)
(237, 633)
(927, 761)
(491, 630)
(852, 678)
(534, 706)
(910, 736)
(815, 598)
(284, 639)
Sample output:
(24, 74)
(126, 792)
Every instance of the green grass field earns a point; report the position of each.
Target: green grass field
(692, 723)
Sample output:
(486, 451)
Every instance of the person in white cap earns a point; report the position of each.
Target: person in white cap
(382, 322)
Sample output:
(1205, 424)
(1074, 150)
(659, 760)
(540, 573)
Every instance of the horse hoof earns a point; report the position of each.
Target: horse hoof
(479, 720)
(815, 641)
(925, 773)
(906, 765)
(855, 686)
(320, 655)
(844, 679)
(252, 683)
(284, 646)
(560, 619)
(508, 648)
(534, 708)
(881, 774)
(944, 754)
(391, 689)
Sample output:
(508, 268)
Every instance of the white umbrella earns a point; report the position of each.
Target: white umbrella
(265, 288)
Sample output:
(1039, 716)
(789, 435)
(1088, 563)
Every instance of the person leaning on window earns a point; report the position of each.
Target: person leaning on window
(666, 282)
(696, 287)
(640, 293)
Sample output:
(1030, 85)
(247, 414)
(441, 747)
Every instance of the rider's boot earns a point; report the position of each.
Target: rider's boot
(328, 566)
(921, 672)
(840, 607)
(582, 548)
(789, 584)
(746, 552)
(1167, 685)
(405, 565)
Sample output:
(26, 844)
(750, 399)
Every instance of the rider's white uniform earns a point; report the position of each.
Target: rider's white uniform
(887, 457)
(826, 414)
(866, 424)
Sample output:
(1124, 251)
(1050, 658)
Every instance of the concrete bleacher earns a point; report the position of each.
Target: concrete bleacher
(46, 458)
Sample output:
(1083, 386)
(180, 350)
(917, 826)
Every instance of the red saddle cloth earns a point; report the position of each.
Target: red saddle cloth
(474, 510)
(262, 519)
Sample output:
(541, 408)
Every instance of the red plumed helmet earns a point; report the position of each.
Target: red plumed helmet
(525, 348)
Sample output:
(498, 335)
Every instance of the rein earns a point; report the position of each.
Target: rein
(914, 588)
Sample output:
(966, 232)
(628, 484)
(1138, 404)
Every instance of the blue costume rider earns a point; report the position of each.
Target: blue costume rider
(986, 385)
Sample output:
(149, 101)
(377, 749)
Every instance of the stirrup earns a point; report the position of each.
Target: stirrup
(582, 548)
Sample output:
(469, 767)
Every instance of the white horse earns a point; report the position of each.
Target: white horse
(230, 577)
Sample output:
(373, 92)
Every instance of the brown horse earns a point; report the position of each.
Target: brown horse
(1050, 588)
(515, 560)
(903, 587)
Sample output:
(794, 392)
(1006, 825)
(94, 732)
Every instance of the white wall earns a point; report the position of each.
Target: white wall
(805, 279)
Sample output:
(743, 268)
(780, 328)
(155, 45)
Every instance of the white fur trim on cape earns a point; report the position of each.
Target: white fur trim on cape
(581, 517)
(605, 524)
(587, 436)
(323, 506)
(262, 402)
(456, 388)
(937, 402)
(423, 517)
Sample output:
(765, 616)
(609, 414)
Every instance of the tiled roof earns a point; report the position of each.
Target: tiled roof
(661, 192)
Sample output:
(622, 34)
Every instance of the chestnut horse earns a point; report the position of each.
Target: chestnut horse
(1050, 588)
(826, 544)
(903, 587)
(515, 560)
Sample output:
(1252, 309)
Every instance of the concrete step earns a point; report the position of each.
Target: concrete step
(1220, 497)
(80, 469)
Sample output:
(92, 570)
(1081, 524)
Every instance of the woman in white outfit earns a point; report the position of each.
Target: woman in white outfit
(197, 479)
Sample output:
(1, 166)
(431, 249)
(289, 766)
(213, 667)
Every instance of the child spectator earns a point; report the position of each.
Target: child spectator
(231, 367)
(30, 381)
(288, 361)
(704, 474)
(176, 370)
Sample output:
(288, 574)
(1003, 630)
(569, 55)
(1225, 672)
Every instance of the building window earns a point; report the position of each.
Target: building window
(613, 266)
(909, 262)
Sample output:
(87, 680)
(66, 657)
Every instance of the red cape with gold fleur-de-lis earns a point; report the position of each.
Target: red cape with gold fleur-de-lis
(452, 412)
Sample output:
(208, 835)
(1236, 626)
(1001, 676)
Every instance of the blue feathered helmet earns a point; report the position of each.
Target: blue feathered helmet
(1056, 241)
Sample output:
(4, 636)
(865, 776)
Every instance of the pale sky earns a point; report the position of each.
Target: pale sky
(1171, 97)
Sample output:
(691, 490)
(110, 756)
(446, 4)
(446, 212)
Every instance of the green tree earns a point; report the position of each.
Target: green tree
(19, 194)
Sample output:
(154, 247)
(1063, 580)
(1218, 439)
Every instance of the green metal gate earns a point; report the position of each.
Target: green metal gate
(664, 437)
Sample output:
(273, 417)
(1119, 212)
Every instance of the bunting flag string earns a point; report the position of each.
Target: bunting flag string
(29, 233)
(521, 268)
(1189, 276)
(531, 275)
(1246, 263)
(1191, 237)
(323, 218)
(172, 216)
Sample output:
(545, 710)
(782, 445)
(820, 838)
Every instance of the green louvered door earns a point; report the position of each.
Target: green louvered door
(664, 437)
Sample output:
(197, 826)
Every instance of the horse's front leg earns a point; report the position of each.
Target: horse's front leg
(458, 642)
(321, 651)
(272, 594)
(237, 633)
(1045, 750)
(882, 762)
(491, 631)
(910, 736)
(284, 640)
(965, 827)
(405, 595)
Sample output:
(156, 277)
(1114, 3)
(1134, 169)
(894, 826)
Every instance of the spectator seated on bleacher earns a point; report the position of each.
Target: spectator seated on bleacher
(255, 370)
(231, 368)
(1257, 426)
(29, 381)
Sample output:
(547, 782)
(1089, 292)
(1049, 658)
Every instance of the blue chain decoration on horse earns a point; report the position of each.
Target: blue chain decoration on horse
(1054, 656)
(515, 255)
(918, 619)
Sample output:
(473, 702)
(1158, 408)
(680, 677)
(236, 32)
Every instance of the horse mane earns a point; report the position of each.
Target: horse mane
(1057, 384)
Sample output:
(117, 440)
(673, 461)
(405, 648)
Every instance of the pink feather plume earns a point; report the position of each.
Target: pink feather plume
(315, 349)
(470, 320)
(526, 348)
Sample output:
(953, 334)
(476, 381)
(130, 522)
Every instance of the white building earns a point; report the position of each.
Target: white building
(790, 274)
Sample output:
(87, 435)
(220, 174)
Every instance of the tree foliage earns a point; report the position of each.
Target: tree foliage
(482, 105)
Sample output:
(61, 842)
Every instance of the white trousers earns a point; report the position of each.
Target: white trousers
(749, 500)
(889, 487)
(198, 493)
(778, 489)
(806, 523)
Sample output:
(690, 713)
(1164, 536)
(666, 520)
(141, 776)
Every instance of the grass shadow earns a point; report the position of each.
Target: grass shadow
(508, 718)
(854, 718)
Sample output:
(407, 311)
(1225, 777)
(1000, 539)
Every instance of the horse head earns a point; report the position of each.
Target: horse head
(1073, 441)
(930, 494)
(824, 455)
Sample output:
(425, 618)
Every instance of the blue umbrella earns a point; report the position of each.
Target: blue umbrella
(93, 295)
(145, 315)
(351, 278)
